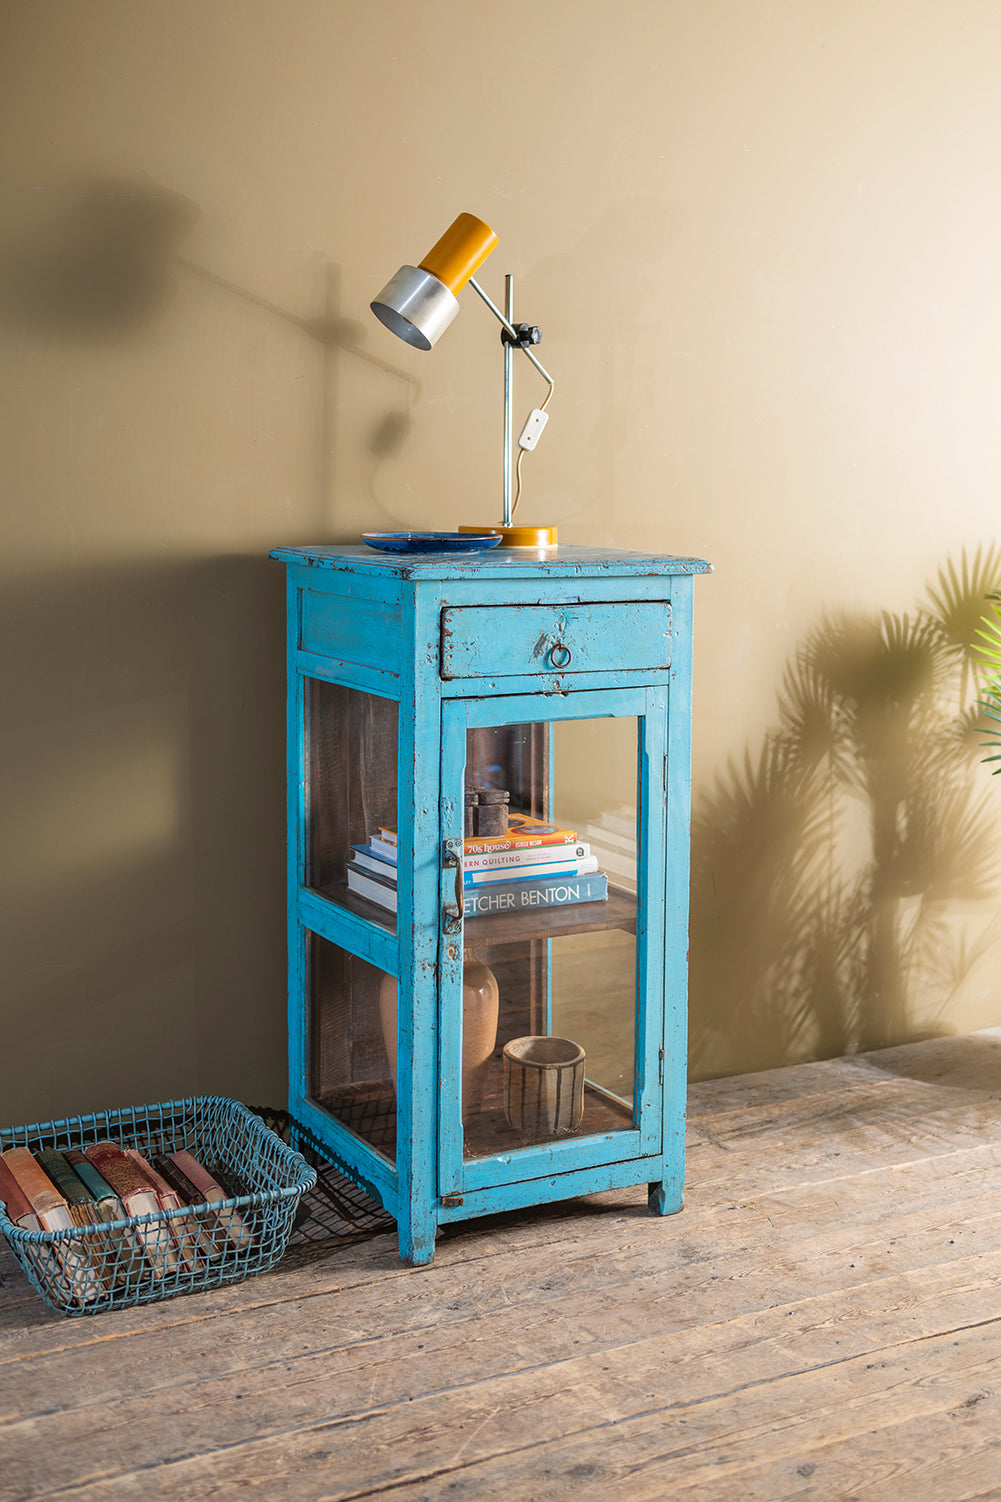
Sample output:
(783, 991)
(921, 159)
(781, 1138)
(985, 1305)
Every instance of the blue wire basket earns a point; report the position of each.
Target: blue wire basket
(117, 1264)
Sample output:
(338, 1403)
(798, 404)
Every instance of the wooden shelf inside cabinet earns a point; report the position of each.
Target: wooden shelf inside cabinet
(549, 923)
(488, 1131)
(341, 894)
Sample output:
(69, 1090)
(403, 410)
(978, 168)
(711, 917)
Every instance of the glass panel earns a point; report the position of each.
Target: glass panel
(549, 993)
(352, 1043)
(350, 796)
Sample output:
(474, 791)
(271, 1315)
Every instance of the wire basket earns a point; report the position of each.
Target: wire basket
(113, 1265)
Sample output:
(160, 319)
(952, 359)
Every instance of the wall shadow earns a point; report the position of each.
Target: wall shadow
(107, 256)
(840, 872)
(142, 750)
(96, 265)
(143, 915)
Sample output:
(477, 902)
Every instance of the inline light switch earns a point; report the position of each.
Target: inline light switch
(532, 430)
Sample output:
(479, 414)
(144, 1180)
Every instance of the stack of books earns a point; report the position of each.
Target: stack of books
(533, 865)
(613, 840)
(104, 1185)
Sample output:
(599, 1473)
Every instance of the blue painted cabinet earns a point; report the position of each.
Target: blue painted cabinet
(488, 804)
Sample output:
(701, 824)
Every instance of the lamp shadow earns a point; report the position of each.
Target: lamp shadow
(107, 258)
(840, 873)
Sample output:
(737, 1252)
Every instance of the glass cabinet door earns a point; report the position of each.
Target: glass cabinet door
(350, 792)
(551, 1012)
(347, 1061)
(352, 1043)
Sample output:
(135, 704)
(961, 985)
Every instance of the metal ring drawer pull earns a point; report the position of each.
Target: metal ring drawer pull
(565, 658)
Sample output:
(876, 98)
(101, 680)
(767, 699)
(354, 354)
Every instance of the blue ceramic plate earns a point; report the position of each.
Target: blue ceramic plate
(431, 542)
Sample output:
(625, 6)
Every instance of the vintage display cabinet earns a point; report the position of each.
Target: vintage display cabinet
(484, 1017)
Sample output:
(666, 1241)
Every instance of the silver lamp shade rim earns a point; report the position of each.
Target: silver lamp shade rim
(416, 307)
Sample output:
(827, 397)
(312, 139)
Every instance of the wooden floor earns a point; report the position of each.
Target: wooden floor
(823, 1320)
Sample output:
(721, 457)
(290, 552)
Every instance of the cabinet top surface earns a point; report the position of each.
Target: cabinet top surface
(497, 563)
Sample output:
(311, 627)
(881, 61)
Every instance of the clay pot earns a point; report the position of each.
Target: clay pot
(480, 1001)
(543, 1086)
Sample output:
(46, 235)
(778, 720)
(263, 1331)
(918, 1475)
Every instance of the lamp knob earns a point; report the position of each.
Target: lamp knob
(528, 333)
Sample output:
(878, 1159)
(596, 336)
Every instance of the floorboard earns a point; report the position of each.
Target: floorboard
(823, 1320)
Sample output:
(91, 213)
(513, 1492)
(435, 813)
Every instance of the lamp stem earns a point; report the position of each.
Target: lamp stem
(508, 322)
(508, 352)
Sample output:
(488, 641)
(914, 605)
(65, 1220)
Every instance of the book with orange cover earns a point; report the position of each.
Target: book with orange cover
(523, 831)
(212, 1193)
(46, 1201)
(139, 1198)
(19, 1210)
(53, 1215)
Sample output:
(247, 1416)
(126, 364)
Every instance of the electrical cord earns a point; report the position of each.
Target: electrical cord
(522, 452)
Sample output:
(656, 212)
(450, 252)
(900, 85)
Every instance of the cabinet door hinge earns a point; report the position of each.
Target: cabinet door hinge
(451, 1201)
(660, 1066)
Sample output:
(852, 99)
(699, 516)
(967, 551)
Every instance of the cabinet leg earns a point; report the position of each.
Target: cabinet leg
(666, 1197)
(417, 1241)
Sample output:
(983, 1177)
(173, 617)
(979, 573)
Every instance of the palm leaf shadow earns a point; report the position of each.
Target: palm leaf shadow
(834, 874)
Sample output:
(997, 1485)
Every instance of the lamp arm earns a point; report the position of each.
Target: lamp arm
(495, 310)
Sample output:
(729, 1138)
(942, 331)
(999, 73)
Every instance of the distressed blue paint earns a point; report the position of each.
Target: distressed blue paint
(295, 860)
(453, 762)
(650, 920)
(667, 1193)
(350, 674)
(344, 628)
(370, 1169)
(372, 942)
(375, 622)
(571, 1155)
(512, 640)
(518, 709)
(648, 706)
(581, 589)
(501, 563)
(419, 798)
(548, 684)
(560, 1186)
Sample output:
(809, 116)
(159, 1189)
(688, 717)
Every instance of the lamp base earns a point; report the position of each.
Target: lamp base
(520, 537)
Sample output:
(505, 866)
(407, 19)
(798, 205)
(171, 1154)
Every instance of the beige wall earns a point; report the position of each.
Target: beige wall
(762, 241)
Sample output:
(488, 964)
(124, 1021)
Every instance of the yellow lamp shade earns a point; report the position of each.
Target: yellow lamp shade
(419, 302)
(460, 252)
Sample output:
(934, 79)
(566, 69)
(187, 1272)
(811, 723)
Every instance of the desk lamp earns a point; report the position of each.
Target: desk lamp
(420, 302)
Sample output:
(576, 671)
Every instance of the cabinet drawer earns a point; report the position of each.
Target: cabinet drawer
(510, 641)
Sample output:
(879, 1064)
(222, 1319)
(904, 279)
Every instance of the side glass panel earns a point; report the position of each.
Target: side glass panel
(549, 1008)
(350, 797)
(352, 1043)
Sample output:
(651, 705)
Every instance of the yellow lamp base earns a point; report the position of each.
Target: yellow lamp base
(520, 537)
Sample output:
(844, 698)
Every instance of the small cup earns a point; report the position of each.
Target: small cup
(543, 1086)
